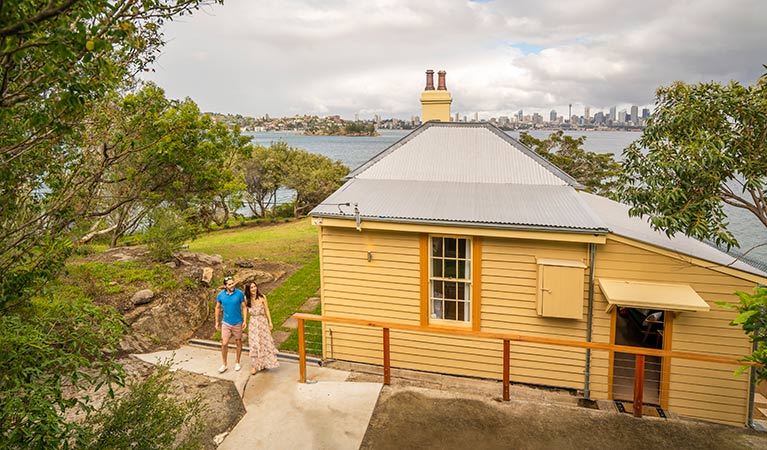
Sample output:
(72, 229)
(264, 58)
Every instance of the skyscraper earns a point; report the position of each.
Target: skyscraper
(587, 113)
(553, 115)
(635, 114)
(613, 115)
(520, 116)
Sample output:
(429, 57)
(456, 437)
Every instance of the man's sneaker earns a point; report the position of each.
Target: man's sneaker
(237, 367)
(222, 369)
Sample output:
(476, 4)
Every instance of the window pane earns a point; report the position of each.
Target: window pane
(436, 309)
(449, 268)
(462, 248)
(461, 269)
(436, 246)
(450, 290)
(450, 247)
(436, 267)
(450, 310)
(463, 311)
(462, 291)
(437, 289)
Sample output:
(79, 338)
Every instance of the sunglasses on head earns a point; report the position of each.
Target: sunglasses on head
(228, 279)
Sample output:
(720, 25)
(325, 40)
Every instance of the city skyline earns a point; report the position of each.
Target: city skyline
(344, 58)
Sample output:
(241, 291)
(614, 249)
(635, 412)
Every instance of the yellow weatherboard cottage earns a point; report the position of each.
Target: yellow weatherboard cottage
(458, 227)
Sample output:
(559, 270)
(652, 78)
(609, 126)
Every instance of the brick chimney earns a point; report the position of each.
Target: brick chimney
(429, 80)
(435, 104)
(441, 86)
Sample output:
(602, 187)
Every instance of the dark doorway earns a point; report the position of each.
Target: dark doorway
(637, 328)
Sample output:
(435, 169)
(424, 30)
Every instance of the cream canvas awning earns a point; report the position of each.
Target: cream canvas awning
(647, 295)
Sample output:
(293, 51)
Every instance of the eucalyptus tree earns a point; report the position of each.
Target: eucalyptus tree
(58, 59)
(704, 147)
(264, 174)
(159, 153)
(598, 172)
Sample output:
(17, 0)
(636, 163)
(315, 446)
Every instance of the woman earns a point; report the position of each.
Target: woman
(263, 354)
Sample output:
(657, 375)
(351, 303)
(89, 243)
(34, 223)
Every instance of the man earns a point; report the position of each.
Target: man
(231, 302)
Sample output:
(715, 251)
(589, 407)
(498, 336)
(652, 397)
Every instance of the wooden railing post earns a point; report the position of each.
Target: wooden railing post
(386, 357)
(301, 352)
(638, 385)
(506, 364)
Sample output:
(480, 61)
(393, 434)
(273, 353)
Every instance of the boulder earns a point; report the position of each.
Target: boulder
(200, 259)
(193, 273)
(244, 277)
(222, 406)
(142, 297)
(207, 276)
(167, 323)
(244, 263)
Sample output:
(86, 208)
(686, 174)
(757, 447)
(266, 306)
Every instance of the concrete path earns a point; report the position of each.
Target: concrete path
(327, 413)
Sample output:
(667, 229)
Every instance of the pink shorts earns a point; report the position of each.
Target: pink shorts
(228, 331)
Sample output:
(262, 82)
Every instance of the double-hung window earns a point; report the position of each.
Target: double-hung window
(450, 279)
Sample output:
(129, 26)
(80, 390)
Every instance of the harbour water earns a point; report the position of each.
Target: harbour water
(354, 151)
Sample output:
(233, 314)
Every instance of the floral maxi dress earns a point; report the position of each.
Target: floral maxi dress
(263, 354)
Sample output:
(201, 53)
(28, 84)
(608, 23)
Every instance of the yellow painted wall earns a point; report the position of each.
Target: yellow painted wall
(387, 288)
(702, 390)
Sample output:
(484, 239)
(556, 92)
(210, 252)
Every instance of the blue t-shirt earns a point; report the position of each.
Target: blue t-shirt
(232, 304)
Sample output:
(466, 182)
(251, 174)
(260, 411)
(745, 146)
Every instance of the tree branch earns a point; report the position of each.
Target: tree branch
(47, 13)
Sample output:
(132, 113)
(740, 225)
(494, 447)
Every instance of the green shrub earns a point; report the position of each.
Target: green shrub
(94, 279)
(284, 210)
(167, 234)
(148, 417)
(49, 343)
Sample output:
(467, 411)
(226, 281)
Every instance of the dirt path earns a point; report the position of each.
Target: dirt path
(424, 419)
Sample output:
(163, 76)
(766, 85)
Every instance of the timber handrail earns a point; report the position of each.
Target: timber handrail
(523, 338)
(640, 352)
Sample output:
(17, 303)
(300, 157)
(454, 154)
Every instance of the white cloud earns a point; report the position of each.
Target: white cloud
(340, 57)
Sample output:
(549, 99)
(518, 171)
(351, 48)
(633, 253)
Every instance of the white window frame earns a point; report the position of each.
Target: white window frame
(434, 316)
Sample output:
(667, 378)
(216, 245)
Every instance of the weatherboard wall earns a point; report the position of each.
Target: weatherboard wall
(708, 391)
(387, 288)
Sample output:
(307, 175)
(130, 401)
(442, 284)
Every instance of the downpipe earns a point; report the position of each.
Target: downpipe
(589, 322)
(751, 391)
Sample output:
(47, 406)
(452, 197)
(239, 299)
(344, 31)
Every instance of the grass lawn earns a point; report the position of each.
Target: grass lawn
(286, 299)
(312, 334)
(293, 242)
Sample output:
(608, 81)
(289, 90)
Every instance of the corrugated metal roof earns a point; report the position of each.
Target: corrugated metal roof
(616, 216)
(556, 207)
(462, 153)
(474, 174)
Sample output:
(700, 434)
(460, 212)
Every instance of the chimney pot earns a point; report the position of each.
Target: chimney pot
(429, 80)
(441, 82)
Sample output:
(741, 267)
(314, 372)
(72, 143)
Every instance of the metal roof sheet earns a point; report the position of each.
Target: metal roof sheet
(476, 174)
(462, 153)
(616, 216)
(526, 206)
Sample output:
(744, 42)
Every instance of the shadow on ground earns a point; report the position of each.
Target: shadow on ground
(424, 419)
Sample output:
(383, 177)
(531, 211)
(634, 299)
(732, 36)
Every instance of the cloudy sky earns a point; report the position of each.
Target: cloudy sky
(287, 57)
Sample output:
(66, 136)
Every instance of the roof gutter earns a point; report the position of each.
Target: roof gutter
(590, 231)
